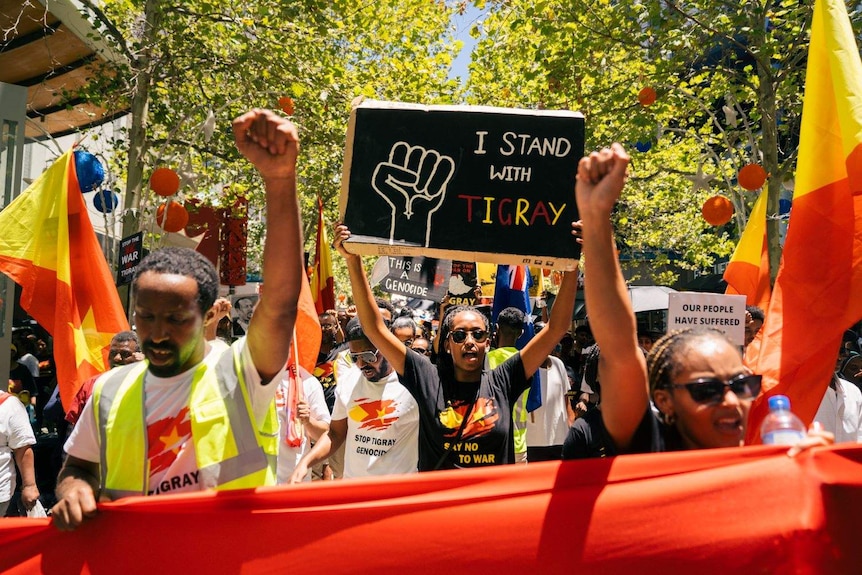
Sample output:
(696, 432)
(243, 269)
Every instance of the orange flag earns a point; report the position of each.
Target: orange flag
(818, 292)
(306, 331)
(49, 248)
(748, 271)
(323, 282)
(303, 350)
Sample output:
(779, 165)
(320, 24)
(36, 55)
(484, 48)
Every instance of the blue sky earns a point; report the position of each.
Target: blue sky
(463, 23)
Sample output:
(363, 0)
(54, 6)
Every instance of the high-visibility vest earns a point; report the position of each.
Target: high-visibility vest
(232, 452)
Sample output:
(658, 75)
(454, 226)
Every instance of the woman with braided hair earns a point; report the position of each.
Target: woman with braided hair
(695, 377)
(702, 390)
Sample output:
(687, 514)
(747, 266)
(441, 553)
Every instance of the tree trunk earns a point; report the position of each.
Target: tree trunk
(769, 148)
(142, 70)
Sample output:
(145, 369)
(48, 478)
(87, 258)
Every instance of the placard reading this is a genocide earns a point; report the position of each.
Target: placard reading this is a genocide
(414, 277)
(455, 182)
(723, 312)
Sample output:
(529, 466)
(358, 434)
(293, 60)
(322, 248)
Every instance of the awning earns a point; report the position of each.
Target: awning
(53, 51)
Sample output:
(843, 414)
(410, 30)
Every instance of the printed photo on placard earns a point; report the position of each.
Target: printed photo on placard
(242, 308)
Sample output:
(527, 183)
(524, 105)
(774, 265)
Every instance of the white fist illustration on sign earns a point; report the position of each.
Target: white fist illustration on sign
(413, 182)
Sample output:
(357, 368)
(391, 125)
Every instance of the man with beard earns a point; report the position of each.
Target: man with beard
(185, 420)
(244, 310)
(375, 417)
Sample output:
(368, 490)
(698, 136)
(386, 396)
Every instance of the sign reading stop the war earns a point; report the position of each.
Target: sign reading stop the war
(131, 254)
(467, 183)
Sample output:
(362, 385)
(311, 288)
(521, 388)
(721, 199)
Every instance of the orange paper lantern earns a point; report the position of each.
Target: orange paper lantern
(172, 216)
(165, 182)
(286, 103)
(752, 177)
(647, 96)
(717, 210)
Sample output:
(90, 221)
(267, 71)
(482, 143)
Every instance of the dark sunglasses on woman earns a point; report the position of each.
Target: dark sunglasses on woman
(460, 335)
(712, 389)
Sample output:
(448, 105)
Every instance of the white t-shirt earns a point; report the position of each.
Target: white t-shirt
(15, 432)
(840, 411)
(289, 456)
(217, 346)
(173, 468)
(549, 424)
(382, 425)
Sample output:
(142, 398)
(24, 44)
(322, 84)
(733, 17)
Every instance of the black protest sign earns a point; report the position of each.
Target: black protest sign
(131, 253)
(417, 277)
(462, 182)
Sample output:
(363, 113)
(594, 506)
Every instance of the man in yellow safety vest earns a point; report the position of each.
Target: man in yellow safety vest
(188, 419)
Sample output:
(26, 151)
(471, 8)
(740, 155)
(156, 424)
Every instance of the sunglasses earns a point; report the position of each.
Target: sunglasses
(123, 353)
(460, 335)
(712, 390)
(365, 356)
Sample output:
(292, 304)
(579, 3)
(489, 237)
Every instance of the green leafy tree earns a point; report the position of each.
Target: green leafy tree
(728, 79)
(197, 64)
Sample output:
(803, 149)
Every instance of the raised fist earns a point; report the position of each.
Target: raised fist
(413, 182)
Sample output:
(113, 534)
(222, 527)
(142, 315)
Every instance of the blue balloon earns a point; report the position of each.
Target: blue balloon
(105, 201)
(784, 207)
(643, 146)
(90, 171)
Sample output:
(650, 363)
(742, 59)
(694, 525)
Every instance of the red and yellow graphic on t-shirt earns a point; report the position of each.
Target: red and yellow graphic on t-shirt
(483, 418)
(374, 414)
(165, 438)
(325, 373)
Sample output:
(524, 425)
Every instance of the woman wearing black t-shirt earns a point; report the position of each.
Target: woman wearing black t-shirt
(465, 410)
(696, 377)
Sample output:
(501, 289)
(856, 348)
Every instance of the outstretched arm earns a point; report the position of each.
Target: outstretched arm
(271, 143)
(622, 369)
(392, 349)
(540, 347)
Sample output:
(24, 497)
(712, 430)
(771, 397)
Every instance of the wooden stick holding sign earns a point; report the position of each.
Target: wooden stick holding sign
(470, 183)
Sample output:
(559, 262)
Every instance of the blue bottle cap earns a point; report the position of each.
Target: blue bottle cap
(777, 402)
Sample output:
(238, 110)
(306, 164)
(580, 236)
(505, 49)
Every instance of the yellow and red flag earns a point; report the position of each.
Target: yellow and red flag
(817, 291)
(49, 248)
(748, 271)
(323, 282)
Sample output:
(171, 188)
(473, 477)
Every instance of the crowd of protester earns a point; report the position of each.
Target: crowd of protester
(392, 392)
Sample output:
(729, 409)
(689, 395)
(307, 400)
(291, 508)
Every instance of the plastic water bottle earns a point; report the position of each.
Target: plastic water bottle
(781, 426)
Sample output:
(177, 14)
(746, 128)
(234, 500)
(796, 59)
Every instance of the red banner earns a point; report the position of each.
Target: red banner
(748, 510)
